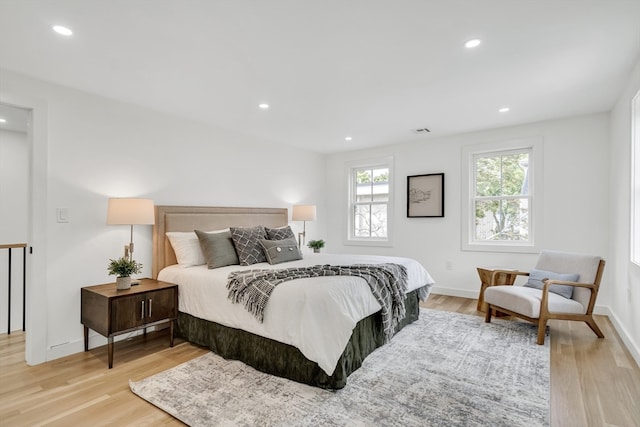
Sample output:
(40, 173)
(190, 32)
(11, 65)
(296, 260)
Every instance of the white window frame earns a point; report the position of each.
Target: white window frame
(535, 176)
(635, 181)
(378, 163)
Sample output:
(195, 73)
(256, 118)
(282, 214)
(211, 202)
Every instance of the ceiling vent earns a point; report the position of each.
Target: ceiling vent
(421, 131)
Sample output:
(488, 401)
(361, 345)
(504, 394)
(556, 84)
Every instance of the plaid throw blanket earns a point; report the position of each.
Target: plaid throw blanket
(388, 283)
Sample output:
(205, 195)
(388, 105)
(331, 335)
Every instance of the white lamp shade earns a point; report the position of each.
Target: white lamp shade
(130, 211)
(304, 213)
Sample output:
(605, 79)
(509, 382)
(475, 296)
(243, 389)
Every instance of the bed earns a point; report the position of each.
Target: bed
(315, 330)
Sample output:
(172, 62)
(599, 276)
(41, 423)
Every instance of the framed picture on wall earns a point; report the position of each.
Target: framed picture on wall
(425, 195)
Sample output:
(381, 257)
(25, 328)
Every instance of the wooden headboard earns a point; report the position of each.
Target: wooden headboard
(189, 218)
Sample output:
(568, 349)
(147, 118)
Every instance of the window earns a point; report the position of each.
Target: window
(500, 199)
(501, 196)
(370, 203)
(635, 180)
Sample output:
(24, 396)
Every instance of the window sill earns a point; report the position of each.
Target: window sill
(501, 247)
(371, 243)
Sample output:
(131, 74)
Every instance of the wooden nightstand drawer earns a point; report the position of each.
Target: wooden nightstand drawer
(112, 312)
(160, 305)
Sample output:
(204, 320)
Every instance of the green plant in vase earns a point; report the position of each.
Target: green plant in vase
(316, 245)
(123, 268)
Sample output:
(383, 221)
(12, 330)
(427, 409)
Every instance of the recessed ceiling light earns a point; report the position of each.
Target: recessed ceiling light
(62, 30)
(3, 120)
(264, 106)
(504, 109)
(348, 138)
(472, 43)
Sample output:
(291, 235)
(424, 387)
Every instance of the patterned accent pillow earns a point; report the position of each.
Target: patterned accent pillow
(282, 250)
(217, 248)
(246, 240)
(280, 233)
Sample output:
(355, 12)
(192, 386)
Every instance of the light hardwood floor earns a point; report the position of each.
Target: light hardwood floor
(593, 382)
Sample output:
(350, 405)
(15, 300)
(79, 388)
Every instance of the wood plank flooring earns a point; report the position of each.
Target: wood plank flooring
(593, 382)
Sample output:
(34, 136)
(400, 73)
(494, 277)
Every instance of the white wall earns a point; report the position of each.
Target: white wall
(624, 286)
(98, 148)
(14, 175)
(576, 195)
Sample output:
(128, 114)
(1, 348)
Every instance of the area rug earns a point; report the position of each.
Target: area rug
(446, 369)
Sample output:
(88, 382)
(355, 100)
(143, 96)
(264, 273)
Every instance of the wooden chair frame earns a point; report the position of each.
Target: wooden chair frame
(545, 315)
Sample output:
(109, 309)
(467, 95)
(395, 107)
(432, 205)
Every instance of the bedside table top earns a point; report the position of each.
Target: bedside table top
(109, 289)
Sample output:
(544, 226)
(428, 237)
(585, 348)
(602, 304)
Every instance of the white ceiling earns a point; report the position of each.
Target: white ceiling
(371, 69)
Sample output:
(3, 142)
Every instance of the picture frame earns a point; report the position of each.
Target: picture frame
(425, 196)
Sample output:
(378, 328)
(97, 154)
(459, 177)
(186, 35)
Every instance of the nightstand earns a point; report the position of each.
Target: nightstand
(112, 312)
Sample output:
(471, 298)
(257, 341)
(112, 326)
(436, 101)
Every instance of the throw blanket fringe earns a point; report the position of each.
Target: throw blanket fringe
(388, 284)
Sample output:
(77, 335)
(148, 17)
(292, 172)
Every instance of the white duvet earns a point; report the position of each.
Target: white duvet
(316, 315)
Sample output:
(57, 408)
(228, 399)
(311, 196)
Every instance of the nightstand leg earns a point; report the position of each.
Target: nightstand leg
(110, 349)
(86, 338)
(171, 333)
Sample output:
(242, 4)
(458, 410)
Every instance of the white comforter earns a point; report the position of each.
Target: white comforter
(316, 315)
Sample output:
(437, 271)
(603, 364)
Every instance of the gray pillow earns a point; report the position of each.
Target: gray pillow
(280, 233)
(278, 251)
(246, 242)
(217, 248)
(536, 278)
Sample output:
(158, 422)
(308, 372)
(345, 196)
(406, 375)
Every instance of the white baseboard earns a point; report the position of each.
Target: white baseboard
(95, 340)
(64, 349)
(463, 293)
(631, 345)
(633, 348)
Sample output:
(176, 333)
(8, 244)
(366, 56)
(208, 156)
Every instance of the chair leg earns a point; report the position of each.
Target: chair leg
(594, 327)
(542, 329)
(487, 315)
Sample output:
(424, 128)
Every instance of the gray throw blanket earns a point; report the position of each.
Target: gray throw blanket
(388, 283)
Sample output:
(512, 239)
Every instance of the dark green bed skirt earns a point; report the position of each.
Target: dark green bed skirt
(284, 360)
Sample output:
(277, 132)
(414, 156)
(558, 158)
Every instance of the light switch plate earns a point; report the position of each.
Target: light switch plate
(62, 214)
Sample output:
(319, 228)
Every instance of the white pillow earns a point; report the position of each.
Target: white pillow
(187, 248)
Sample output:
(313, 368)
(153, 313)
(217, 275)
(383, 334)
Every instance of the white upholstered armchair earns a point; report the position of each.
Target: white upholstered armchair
(562, 286)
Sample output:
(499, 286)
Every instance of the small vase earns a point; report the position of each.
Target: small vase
(316, 250)
(123, 283)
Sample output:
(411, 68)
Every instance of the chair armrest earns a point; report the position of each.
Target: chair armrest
(548, 283)
(544, 303)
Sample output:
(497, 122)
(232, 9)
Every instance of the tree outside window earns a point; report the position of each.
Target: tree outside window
(371, 203)
(370, 198)
(501, 196)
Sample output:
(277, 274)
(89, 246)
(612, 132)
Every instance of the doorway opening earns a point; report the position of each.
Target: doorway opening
(36, 219)
(14, 199)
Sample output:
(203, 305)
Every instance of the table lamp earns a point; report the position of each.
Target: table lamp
(126, 211)
(303, 213)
